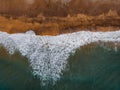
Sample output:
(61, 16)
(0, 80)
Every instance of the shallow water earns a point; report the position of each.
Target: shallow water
(92, 67)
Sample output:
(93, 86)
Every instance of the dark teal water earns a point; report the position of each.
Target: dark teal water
(92, 67)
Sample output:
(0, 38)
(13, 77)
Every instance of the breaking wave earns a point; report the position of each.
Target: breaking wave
(48, 54)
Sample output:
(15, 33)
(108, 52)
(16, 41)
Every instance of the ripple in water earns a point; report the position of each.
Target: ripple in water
(48, 54)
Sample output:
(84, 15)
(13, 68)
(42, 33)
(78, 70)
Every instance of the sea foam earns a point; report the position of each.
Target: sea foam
(48, 54)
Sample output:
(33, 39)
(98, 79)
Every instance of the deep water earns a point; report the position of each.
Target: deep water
(93, 67)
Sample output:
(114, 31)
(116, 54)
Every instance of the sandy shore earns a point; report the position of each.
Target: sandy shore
(58, 25)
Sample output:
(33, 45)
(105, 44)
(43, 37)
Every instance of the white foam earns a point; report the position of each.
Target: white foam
(48, 54)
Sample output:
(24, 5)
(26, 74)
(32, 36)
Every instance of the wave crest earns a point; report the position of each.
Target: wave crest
(48, 54)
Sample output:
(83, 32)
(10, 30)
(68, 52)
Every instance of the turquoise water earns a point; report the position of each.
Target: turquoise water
(92, 67)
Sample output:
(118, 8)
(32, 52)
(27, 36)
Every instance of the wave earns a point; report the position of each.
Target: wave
(48, 54)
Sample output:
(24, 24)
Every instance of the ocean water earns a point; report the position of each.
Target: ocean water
(82, 60)
(16, 73)
(92, 67)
